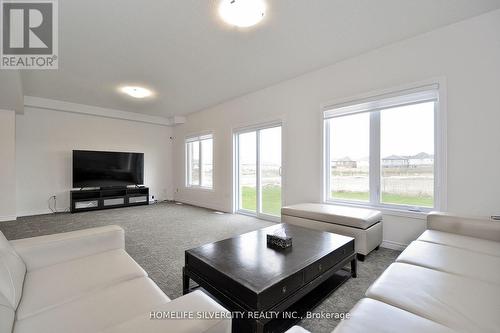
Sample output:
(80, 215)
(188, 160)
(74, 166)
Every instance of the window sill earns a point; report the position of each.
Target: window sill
(201, 188)
(384, 209)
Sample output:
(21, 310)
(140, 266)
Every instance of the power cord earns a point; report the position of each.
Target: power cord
(54, 208)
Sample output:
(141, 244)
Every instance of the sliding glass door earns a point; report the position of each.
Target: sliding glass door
(258, 172)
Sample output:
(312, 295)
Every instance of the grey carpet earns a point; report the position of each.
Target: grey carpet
(157, 236)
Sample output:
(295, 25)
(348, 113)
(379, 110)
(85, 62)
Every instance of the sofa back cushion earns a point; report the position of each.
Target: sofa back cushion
(478, 227)
(12, 272)
(7, 314)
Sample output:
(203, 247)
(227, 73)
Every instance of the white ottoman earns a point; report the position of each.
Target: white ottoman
(364, 225)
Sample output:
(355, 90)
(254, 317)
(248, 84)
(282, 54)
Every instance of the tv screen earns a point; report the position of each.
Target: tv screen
(107, 169)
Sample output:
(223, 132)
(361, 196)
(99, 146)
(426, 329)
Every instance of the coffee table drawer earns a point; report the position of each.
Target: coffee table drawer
(281, 290)
(327, 262)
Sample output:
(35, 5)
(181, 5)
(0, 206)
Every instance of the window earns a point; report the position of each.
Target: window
(381, 151)
(199, 161)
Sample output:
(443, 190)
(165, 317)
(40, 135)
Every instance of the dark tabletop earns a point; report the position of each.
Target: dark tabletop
(248, 260)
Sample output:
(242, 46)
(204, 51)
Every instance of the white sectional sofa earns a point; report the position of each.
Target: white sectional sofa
(84, 281)
(448, 280)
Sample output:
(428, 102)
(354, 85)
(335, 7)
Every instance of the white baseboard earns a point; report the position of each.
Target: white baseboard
(8, 218)
(393, 245)
(202, 205)
(33, 213)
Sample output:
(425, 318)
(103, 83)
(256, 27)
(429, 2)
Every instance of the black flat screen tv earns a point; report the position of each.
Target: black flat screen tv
(107, 169)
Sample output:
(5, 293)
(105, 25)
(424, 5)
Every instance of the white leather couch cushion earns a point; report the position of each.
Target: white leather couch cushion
(47, 250)
(478, 227)
(57, 284)
(349, 216)
(83, 282)
(193, 304)
(454, 301)
(452, 260)
(372, 316)
(97, 311)
(297, 329)
(7, 315)
(460, 241)
(12, 271)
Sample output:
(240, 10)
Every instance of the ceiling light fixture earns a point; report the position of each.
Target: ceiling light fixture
(136, 92)
(242, 13)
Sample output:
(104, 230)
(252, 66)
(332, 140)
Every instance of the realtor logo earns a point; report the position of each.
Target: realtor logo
(29, 34)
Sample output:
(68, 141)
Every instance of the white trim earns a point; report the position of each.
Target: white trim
(441, 148)
(258, 126)
(382, 92)
(236, 185)
(203, 204)
(198, 139)
(349, 106)
(326, 165)
(258, 206)
(398, 98)
(236, 195)
(261, 216)
(8, 218)
(35, 212)
(55, 105)
(199, 188)
(387, 244)
(374, 160)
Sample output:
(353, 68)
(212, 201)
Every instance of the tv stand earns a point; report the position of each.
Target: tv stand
(105, 198)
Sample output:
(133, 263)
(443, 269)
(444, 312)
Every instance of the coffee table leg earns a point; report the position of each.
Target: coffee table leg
(259, 327)
(354, 267)
(185, 282)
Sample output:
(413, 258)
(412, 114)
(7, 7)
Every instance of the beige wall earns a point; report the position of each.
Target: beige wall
(465, 54)
(7, 165)
(45, 140)
(11, 90)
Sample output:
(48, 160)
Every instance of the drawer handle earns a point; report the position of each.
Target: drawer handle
(283, 290)
(320, 267)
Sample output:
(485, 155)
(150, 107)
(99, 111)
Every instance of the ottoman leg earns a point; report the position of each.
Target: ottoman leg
(354, 267)
(361, 257)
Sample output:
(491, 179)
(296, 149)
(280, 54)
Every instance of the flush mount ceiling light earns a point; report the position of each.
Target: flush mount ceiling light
(136, 92)
(242, 13)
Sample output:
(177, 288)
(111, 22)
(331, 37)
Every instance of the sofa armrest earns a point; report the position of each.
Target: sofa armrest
(297, 329)
(194, 304)
(483, 228)
(47, 250)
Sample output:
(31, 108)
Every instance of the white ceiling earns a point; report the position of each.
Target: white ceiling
(192, 60)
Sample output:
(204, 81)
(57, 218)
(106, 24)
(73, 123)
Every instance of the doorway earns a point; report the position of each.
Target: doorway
(258, 171)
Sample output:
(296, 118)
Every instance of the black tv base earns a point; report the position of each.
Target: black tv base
(106, 198)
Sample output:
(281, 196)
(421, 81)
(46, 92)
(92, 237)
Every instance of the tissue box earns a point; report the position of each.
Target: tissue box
(279, 240)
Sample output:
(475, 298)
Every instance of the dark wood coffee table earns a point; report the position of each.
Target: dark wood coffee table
(257, 282)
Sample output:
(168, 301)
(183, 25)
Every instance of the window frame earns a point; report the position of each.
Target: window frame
(197, 139)
(369, 103)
